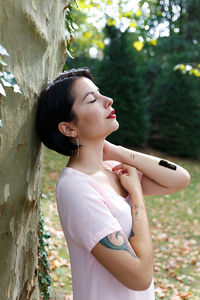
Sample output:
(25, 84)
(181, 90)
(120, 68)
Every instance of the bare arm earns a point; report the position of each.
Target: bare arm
(160, 176)
(129, 261)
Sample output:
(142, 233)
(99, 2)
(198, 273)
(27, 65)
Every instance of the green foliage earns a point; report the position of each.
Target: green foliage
(174, 103)
(90, 18)
(192, 19)
(191, 69)
(45, 282)
(87, 35)
(70, 27)
(120, 77)
(167, 17)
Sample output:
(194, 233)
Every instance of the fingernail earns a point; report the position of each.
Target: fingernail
(117, 172)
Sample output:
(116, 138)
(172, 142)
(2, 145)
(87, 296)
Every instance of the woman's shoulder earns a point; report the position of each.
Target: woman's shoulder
(75, 187)
(70, 177)
(74, 181)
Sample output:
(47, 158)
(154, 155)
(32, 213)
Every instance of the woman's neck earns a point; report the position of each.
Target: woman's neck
(88, 158)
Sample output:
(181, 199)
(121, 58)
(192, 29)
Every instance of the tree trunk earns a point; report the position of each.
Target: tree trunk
(33, 34)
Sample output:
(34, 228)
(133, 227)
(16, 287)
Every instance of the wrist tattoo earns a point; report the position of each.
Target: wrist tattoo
(136, 213)
(132, 156)
(137, 208)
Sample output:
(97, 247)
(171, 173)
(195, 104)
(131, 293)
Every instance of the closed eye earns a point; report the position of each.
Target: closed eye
(92, 101)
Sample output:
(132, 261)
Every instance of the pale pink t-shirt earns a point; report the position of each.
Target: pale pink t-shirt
(88, 212)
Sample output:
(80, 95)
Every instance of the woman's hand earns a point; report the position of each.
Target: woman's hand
(129, 178)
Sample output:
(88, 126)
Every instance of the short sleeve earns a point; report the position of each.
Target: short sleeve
(83, 211)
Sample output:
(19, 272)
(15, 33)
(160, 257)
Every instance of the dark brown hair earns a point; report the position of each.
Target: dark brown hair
(55, 106)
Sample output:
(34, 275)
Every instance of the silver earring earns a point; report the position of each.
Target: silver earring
(77, 143)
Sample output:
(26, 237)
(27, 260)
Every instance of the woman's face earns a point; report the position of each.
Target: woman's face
(96, 118)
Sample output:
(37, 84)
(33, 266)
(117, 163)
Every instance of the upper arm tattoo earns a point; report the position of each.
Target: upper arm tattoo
(117, 241)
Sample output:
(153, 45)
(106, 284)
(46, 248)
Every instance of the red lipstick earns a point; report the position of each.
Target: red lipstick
(112, 115)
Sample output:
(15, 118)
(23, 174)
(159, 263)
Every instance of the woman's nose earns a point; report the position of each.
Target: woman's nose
(108, 101)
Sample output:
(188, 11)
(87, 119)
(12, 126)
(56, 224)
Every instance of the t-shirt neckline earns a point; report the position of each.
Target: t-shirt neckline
(99, 183)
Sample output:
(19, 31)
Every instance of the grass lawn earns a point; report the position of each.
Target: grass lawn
(175, 227)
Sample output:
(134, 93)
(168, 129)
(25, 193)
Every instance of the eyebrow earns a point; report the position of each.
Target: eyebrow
(89, 93)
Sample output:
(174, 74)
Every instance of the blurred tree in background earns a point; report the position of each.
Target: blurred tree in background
(120, 76)
(132, 50)
(174, 104)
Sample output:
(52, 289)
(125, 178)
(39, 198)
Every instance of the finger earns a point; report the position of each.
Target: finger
(117, 172)
(121, 172)
(119, 167)
(126, 167)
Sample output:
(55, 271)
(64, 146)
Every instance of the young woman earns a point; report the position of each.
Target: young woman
(100, 192)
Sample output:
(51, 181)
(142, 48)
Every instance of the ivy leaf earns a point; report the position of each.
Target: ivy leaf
(69, 52)
(10, 78)
(2, 91)
(2, 62)
(5, 82)
(17, 89)
(3, 51)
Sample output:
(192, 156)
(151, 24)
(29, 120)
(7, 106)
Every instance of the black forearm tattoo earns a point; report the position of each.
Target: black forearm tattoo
(132, 156)
(166, 164)
(117, 241)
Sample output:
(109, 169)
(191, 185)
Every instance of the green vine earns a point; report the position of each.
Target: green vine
(70, 26)
(44, 278)
(7, 79)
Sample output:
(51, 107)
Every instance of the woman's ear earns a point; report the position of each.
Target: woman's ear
(66, 129)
